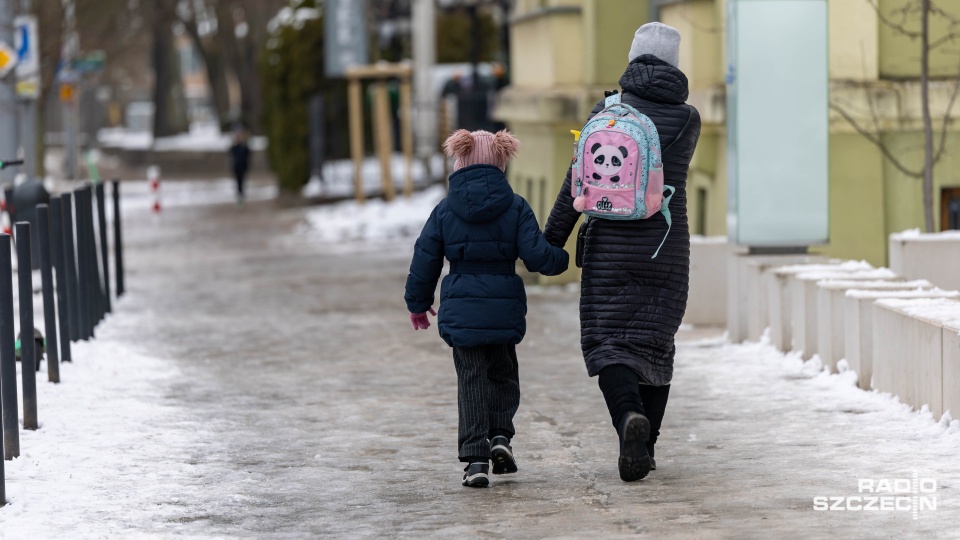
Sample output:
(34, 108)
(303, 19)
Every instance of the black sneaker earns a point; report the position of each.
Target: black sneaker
(475, 474)
(502, 456)
(634, 462)
(653, 463)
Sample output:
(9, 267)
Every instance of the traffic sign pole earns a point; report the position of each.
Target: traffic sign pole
(27, 85)
(8, 99)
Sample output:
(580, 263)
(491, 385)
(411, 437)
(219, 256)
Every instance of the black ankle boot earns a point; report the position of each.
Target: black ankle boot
(634, 462)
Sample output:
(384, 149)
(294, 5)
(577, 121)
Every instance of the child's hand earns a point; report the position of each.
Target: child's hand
(420, 320)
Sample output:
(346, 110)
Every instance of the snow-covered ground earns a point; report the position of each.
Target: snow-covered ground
(251, 384)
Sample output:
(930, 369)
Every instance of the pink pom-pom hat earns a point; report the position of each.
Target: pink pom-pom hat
(481, 148)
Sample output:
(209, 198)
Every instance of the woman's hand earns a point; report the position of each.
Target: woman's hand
(420, 320)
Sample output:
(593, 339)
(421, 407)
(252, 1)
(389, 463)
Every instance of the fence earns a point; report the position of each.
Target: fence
(75, 282)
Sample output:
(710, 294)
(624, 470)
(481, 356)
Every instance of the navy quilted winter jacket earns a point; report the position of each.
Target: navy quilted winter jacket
(482, 228)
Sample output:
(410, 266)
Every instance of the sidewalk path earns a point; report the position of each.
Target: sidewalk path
(316, 411)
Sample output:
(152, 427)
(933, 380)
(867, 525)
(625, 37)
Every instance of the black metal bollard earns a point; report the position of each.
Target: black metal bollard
(117, 238)
(46, 280)
(28, 358)
(69, 258)
(93, 275)
(8, 367)
(83, 262)
(56, 211)
(83, 269)
(104, 249)
(97, 283)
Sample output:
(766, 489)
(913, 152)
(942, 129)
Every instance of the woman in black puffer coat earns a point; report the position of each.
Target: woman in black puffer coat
(631, 304)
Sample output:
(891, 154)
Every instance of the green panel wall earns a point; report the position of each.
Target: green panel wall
(857, 221)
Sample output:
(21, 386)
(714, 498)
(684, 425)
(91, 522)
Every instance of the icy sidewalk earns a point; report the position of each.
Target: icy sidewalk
(261, 380)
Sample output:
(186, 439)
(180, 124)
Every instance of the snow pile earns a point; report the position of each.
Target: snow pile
(761, 365)
(104, 434)
(200, 138)
(941, 311)
(913, 293)
(916, 234)
(864, 275)
(375, 220)
(832, 265)
(874, 284)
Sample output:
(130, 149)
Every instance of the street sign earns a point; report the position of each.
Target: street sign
(8, 59)
(67, 92)
(345, 35)
(28, 55)
(93, 61)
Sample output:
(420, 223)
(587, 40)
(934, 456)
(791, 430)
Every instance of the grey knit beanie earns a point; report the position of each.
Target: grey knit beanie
(659, 40)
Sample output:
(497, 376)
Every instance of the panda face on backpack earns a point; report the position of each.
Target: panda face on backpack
(608, 161)
(617, 170)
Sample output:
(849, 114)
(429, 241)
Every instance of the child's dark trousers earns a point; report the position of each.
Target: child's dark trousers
(488, 394)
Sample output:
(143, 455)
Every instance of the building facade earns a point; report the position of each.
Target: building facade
(566, 52)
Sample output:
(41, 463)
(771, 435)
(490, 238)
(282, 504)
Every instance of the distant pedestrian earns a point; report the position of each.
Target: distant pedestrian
(633, 298)
(482, 227)
(240, 161)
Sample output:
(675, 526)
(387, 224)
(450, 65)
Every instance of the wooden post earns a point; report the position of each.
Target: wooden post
(406, 133)
(444, 133)
(383, 131)
(356, 136)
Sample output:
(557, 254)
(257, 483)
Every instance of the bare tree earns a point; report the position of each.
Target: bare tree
(897, 20)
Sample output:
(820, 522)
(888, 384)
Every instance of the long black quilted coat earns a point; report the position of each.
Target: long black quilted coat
(631, 305)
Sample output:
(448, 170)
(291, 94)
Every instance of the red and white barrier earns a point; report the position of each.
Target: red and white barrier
(153, 178)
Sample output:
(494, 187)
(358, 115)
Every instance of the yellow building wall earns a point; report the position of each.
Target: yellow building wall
(904, 204)
(701, 41)
(900, 54)
(609, 26)
(857, 201)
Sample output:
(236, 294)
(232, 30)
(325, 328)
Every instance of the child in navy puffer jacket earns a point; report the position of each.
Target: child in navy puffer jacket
(482, 228)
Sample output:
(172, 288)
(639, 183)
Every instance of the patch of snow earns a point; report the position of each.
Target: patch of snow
(201, 138)
(349, 222)
(865, 275)
(915, 293)
(940, 311)
(874, 284)
(917, 235)
(833, 264)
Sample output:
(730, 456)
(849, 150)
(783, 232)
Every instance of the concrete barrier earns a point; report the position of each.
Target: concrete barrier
(804, 300)
(858, 325)
(746, 304)
(908, 348)
(779, 310)
(707, 304)
(951, 368)
(935, 257)
(831, 336)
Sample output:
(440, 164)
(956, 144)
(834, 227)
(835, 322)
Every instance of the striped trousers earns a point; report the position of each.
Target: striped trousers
(488, 394)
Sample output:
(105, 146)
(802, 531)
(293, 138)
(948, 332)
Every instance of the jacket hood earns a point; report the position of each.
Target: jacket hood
(479, 193)
(650, 78)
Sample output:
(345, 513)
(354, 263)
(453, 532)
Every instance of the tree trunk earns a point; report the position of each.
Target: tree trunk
(169, 114)
(927, 125)
(162, 41)
(216, 73)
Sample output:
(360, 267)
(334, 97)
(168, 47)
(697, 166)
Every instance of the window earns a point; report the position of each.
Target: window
(950, 209)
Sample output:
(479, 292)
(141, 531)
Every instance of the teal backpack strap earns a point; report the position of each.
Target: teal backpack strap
(665, 210)
(612, 99)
